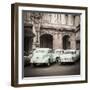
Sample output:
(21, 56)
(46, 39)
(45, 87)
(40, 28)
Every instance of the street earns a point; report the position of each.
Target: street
(53, 70)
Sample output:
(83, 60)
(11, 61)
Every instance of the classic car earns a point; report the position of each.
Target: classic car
(42, 56)
(69, 56)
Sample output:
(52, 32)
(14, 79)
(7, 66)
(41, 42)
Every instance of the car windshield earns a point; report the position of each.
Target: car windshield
(59, 52)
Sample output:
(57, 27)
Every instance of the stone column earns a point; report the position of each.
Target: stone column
(36, 20)
(37, 35)
(34, 39)
(70, 20)
(63, 19)
(55, 41)
(77, 20)
(60, 41)
(73, 41)
(28, 19)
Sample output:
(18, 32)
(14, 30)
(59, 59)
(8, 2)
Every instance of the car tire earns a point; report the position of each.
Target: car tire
(57, 59)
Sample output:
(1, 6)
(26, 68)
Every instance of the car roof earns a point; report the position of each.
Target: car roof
(58, 49)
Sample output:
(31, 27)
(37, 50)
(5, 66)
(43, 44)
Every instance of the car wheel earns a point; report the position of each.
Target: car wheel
(57, 59)
(48, 62)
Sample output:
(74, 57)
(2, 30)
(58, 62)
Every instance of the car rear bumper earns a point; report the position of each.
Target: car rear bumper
(67, 60)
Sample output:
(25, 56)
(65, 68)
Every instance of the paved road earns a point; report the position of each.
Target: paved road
(53, 70)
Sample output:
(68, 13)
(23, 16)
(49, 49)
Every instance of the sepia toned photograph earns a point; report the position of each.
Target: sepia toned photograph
(49, 44)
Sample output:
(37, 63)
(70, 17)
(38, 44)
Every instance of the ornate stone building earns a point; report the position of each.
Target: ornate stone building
(51, 30)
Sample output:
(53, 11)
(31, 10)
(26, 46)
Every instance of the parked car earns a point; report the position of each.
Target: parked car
(57, 53)
(27, 58)
(69, 56)
(42, 56)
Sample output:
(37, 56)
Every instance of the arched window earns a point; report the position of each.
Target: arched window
(66, 42)
(46, 41)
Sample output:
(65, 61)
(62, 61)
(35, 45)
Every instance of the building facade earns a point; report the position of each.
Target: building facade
(51, 30)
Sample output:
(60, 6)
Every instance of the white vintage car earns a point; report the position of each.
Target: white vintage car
(69, 56)
(42, 56)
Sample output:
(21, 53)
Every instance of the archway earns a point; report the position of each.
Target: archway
(46, 41)
(28, 38)
(66, 42)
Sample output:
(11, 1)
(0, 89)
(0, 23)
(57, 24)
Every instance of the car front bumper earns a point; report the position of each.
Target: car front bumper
(39, 61)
